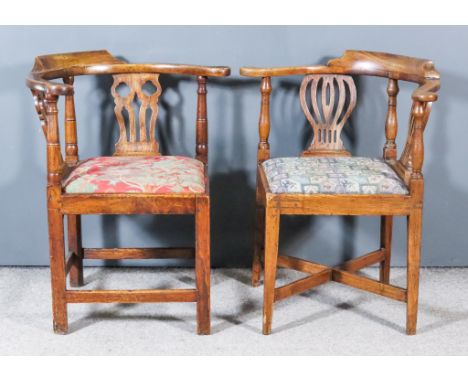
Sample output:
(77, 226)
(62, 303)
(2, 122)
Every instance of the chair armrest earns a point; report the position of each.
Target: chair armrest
(40, 80)
(283, 71)
(53, 66)
(427, 91)
(51, 87)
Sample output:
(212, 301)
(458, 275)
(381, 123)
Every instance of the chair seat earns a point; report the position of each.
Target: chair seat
(332, 175)
(149, 174)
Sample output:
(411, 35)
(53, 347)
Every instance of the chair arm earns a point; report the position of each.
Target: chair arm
(48, 87)
(41, 81)
(427, 91)
(284, 71)
(46, 108)
(184, 69)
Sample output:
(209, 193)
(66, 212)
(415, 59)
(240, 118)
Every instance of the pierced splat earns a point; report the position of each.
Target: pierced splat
(135, 95)
(332, 99)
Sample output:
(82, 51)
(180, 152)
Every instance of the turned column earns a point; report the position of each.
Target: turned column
(71, 140)
(263, 152)
(202, 122)
(391, 125)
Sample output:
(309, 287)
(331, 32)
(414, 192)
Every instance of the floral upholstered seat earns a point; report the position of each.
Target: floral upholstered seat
(148, 174)
(332, 175)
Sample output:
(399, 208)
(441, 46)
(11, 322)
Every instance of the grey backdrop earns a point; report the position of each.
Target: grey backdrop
(233, 106)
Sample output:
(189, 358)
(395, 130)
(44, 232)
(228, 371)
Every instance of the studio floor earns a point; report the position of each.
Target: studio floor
(330, 320)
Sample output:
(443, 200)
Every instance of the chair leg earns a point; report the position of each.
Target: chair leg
(386, 225)
(413, 262)
(258, 246)
(272, 220)
(75, 246)
(57, 271)
(202, 264)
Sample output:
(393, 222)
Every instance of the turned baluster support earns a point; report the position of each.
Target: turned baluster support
(263, 152)
(418, 142)
(39, 104)
(54, 155)
(391, 125)
(71, 139)
(202, 122)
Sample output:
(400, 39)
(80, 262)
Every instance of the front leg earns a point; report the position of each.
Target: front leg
(202, 263)
(414, 259)
(57, 271)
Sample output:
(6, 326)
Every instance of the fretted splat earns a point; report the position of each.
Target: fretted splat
(332, 99)
(136, 109)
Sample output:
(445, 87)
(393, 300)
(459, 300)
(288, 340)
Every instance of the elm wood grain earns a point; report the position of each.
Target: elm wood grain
(138, 253)
(272, 222)
(128, 204)
(300, 265)
(49, 67)
(364, 261)
(355, 62)
(259, 246)
(408, 167)
(344, 273)
(369, 285)
(302, 285)
(69, 260)
(259, 235)
(139, 141)
(58, 271)
(414, 234)
(262, 186)
(324, 204)
(386, 227)
(75, 247)
(131, 296)
(202, 263)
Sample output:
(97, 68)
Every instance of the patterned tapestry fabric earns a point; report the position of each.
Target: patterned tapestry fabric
(332, 175)
(149, 174)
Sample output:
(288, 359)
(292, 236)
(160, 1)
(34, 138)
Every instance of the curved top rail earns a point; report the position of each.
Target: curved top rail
(379, 64)
(283, 71)
(63, 65)
(386, 65)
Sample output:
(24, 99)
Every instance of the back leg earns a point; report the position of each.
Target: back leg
(259, 238)
(386, 225)
(202, 264)
(75, 247)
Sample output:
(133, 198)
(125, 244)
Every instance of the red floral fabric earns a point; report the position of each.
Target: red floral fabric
(151, 174)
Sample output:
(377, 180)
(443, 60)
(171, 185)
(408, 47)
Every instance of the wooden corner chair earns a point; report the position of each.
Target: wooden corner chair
(326, 180)
(136, 180)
